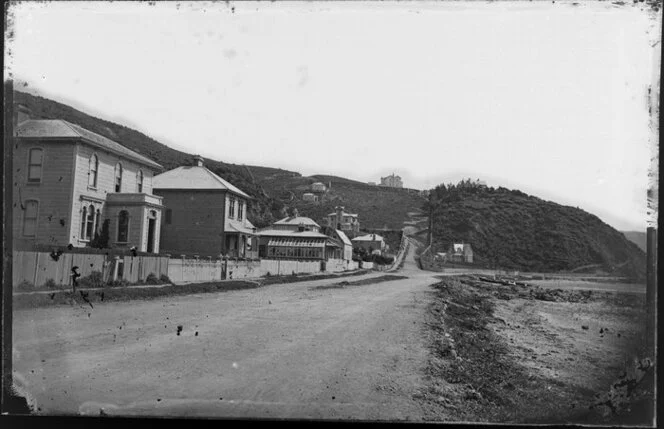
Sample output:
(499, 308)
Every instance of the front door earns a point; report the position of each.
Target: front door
(151, 227)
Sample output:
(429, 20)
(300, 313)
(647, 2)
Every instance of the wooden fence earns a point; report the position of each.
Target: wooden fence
(37, 268)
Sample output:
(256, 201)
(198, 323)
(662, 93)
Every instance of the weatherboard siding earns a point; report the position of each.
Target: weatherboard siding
(83, 193)
(53, 192)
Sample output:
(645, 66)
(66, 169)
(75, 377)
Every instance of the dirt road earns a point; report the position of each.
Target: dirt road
(290, 350)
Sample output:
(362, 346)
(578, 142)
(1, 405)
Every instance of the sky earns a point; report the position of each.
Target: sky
(551, 99)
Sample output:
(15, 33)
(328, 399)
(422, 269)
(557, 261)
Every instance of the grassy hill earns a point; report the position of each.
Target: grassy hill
(275, 190)
(511, 230)
(377, 206)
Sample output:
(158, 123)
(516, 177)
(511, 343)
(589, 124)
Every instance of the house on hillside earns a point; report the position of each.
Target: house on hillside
(347, 222)
(460, 252)
(369, 242)
(392, 181)
(308, 196)
(204, 214)
(318, 187)
(69, 181)
(295, 237)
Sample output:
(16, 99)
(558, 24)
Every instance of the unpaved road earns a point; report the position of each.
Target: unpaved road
(289, 350)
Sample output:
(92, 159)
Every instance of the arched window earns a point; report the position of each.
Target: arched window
(35, 160)
(118, 177)
(30, 218)
(93, 168)
(97, 221)
(84, 215)
(123, 226)
(139, 181)
(90, 222)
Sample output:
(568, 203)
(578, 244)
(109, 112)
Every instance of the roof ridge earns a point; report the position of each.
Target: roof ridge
(70, 126)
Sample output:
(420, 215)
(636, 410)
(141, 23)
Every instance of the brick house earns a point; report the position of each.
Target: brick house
(204, 214)
(68, 181)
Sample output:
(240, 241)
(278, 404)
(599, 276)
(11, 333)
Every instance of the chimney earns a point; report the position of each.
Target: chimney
(340, 211)
(198, 160)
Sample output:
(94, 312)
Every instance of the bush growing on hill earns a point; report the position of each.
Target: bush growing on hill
(512, 230)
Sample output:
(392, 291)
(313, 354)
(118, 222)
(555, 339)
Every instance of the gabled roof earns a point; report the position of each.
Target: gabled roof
(45, 129)
(368, 237)
(344, 238)
(297, 220)
(193, 177)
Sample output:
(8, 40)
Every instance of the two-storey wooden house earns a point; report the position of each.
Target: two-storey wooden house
(69, 180)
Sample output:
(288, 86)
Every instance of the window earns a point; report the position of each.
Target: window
(30, 218)
(97, 221)
(90, 223)
(240, 209)
(93, 168)
(118, 177)
(84, 215)
(231, 208)
(169, 216)
(123, 226)
(139, 181)
(35, 158)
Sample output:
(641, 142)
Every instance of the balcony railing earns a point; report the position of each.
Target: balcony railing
(133, 199)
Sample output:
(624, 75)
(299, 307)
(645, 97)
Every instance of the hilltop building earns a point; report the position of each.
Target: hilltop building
(392, 181)
(318, 187)
(69, 181)
(347, 222)
(205, 214)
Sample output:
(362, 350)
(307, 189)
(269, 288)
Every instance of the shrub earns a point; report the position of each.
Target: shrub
(165, 279)
(152, 279)
(100, 240)
(25, 286)
(50, 284)
(95, 279)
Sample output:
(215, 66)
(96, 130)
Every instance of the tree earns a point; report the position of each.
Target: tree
(100, 240)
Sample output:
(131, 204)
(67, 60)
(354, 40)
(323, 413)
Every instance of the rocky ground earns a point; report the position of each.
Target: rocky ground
(523, 354)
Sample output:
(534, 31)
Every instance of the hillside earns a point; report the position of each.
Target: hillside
(511, 230)
(275, 190)
(377, 206)
(637, 237)
(262, 211)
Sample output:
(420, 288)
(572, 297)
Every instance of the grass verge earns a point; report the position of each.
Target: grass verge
(127, 293)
